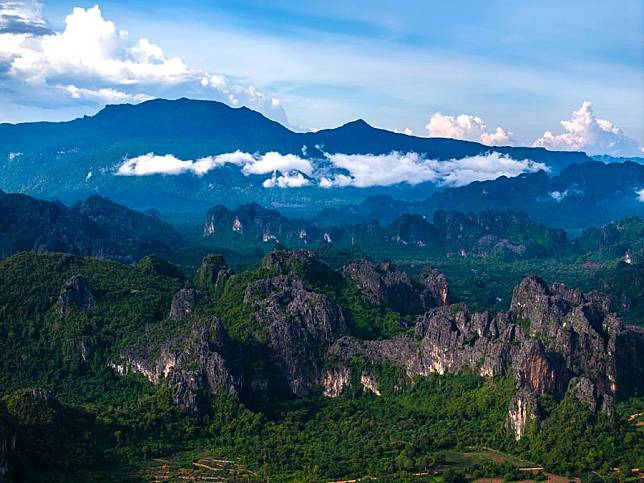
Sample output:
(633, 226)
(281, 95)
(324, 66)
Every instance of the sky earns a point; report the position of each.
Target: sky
(562, 75)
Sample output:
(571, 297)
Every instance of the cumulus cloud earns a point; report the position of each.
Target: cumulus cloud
(585, 132)
(640, 195)
(287, 180)
(467, 127)
(91, 60)
(394, 168)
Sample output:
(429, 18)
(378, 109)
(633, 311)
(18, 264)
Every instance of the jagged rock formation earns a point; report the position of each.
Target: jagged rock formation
(75, 294)
(385, 285)
(554, 341)
(257, 223)
(436, 290)
(298, 324)
(212, 273)
(185, 302)
(190, 364)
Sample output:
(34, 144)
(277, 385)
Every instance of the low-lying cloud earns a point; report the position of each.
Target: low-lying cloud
(287, 180)
(394, 168)
(168, 164)
(340, 170)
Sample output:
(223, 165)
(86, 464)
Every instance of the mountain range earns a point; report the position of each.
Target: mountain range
(72, 160)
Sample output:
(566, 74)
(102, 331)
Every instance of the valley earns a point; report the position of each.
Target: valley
(304, 358)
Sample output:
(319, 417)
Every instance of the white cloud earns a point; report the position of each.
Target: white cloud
(150, 164)
(558, 196)
(337, 181)
(389, 169)
(287, 180)
(467, 127)
(273, 161)
(408, 131)
(460, 172)
(359, 170)
(640, 195)
(93, 61)
(585, 132)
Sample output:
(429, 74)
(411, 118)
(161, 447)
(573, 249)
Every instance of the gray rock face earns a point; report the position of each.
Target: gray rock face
(383, 284)
(583, 390)
(189, 365)
(298, 324)
(75, 294)
(553, 340)
(435, 290)
(185, 302)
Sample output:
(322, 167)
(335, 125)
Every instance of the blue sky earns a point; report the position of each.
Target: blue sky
(521, 66)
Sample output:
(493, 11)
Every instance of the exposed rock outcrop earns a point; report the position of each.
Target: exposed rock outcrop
(75, 294)
(522, 412)
(185, 302)
(553, 340)
(335, 381)
(190, 365)
(298, 325)
(435, 290)
(384, 284)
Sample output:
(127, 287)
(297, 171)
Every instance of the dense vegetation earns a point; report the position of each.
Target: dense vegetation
(77, 420)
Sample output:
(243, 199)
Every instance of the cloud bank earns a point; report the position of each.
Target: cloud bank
(94, 62)
(585, 132)
(394, 168)
(340, 170)
(468, 128)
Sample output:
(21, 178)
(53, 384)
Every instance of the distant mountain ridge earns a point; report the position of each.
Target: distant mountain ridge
(489, 233)
(96, 227)
(72, 160)
(222, 129)
(582, 195)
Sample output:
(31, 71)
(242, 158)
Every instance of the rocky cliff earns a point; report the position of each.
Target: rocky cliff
(191, 365)
(554, 341)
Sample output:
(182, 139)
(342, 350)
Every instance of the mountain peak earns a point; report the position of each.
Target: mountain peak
(358, 123)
